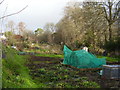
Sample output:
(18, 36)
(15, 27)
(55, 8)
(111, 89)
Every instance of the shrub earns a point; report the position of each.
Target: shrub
(112, 45)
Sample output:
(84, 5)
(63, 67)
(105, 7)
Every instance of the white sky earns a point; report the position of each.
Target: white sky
(37, 14)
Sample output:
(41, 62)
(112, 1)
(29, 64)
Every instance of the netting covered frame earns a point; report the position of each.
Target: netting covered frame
(82, 59)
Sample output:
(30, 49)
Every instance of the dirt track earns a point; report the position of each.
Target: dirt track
(49, 63)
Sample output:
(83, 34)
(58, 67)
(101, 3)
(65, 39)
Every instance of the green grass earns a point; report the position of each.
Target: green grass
(15, 73)
(50, 55)
(110, 59)
(37, 50)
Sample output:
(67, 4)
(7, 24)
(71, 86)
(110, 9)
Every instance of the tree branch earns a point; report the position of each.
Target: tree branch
(114, 2)
(105, 14)
(1, 1)
(14, 13)
(117, 10)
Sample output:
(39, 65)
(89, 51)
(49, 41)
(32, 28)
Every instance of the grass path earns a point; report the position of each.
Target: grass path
(50, 55)
(109, 59)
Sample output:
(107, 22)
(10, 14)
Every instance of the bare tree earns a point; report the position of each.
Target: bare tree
(111, 10)
(22, 28)
(11, 26)
(4, 16)
(50, 27)
(49, 30)
(1, 2)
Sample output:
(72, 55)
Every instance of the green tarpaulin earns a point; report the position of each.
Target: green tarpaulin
(82, 59)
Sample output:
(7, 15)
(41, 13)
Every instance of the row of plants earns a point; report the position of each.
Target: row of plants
(110, 59)
(59, 76)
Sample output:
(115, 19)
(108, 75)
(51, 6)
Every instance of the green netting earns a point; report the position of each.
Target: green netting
(82, 59)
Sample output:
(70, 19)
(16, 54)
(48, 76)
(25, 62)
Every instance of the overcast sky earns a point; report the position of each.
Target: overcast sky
(37, 14)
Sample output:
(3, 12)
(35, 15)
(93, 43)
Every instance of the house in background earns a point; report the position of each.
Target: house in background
(18, 37)
(18, 42)
(3, 38)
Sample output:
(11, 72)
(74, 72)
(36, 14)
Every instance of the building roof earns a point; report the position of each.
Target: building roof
(18, 37)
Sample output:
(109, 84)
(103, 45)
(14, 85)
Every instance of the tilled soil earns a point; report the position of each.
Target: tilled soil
(39, 66)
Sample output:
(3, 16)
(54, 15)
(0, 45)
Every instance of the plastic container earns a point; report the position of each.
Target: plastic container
(111, 72)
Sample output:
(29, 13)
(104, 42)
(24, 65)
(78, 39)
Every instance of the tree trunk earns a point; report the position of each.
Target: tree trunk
(110, 32)
(105, 38)
(110, 20)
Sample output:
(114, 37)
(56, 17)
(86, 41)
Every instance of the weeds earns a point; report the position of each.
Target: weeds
(15, 73)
